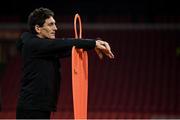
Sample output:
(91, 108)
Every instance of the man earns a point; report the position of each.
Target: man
(41, 52)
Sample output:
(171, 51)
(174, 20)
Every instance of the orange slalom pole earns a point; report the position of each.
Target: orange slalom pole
(79, 76)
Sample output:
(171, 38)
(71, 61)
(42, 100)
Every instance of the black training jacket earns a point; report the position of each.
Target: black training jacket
(40, 83)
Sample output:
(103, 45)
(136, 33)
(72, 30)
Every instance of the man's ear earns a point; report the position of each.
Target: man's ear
(37, 28)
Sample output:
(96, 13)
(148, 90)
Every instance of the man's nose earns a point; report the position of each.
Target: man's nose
(55, 28)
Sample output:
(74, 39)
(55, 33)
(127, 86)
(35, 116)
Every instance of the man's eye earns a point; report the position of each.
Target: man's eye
(53, 24)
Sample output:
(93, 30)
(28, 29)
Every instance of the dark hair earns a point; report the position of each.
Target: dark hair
(38, 17)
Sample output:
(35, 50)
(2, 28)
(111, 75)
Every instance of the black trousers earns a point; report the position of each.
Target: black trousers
(32, 114)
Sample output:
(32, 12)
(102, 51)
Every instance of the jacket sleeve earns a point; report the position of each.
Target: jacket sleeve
(59, 46)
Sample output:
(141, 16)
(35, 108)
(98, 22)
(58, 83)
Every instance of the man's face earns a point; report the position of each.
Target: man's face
(48, 30)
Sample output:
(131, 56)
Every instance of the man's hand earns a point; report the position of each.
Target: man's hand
(102, 47)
